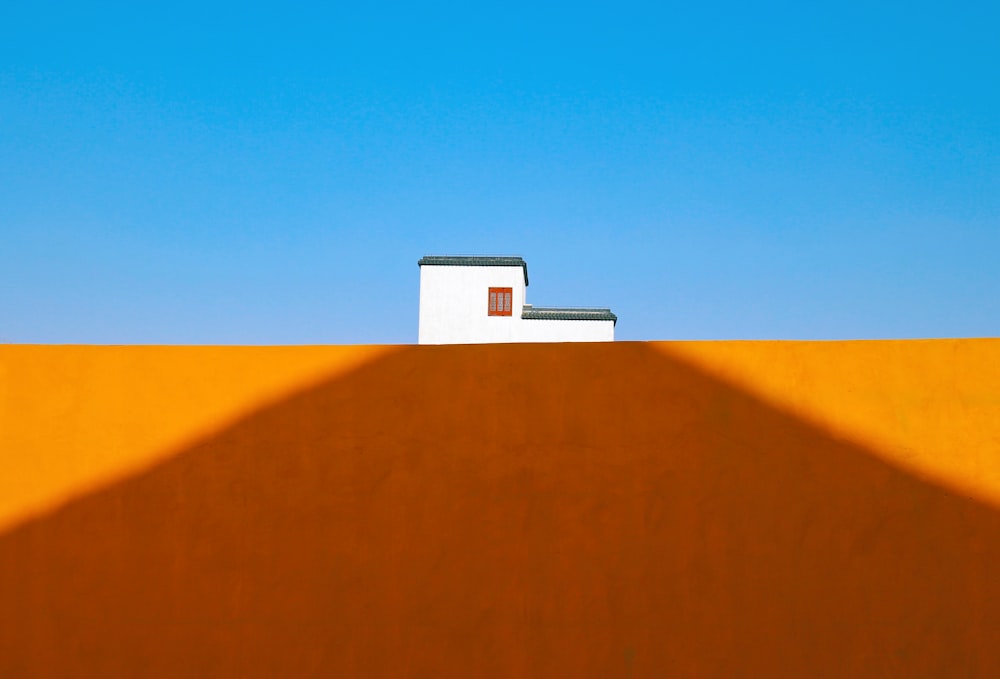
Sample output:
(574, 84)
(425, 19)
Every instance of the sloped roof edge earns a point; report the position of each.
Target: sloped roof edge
(567, 314)
(452, 260)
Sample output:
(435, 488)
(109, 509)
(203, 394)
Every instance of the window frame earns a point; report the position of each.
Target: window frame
(500, 302)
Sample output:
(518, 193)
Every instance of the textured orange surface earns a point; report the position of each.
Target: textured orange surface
(628, 509)
(74, 418)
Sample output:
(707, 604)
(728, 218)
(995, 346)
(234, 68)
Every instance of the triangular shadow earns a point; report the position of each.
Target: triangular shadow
(507, 510)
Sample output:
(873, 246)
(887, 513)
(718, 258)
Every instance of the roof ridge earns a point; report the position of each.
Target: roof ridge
(567, 314)
(475, 260)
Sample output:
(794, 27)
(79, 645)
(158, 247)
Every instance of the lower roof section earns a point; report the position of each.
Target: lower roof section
(567, 314)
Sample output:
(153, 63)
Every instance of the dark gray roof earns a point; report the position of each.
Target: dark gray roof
(448, 260)
(567, 314)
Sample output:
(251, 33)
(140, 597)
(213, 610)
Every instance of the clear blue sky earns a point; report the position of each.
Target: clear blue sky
(245, 173)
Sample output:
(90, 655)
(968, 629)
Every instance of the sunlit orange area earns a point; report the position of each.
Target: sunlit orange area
(577, 510)
(75, 418)
(929, 406)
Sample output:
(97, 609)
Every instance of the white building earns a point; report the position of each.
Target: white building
(478, 300)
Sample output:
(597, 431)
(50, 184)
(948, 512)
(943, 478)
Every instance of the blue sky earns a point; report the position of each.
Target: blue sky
(270, 173)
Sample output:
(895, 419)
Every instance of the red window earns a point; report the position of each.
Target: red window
(500, 301)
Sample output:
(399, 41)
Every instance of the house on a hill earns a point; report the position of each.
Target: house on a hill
(480, 300)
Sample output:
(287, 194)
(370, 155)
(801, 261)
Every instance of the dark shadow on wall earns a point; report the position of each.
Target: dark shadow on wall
(546, 510)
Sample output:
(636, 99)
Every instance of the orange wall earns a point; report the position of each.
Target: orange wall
(631, 509)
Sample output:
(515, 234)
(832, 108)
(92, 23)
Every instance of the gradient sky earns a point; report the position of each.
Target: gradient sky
(246, 173)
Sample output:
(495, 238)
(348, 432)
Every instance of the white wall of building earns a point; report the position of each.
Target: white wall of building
(454, 310)
(536, 330)
(454, 303)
